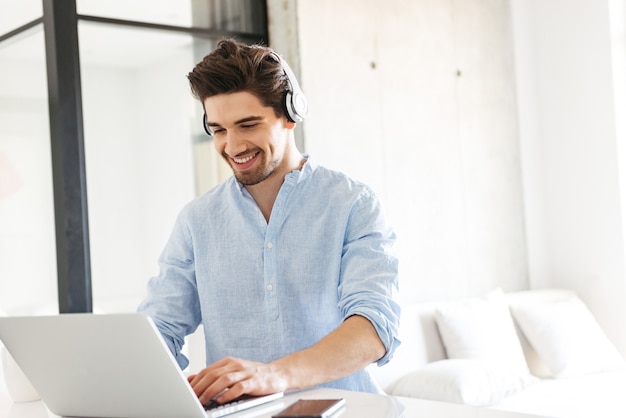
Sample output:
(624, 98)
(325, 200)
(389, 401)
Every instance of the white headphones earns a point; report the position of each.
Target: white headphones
(294, 102)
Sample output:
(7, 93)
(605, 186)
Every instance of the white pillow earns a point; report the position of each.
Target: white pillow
(567, 337)
(481, 329)
(467, 381)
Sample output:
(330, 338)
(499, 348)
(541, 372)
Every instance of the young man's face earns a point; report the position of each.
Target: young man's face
(250, 137)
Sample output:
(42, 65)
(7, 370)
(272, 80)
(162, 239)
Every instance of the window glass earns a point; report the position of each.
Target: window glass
(234, 15)
(16, 13)
(28, 278)
(140, 122)
(167, 12)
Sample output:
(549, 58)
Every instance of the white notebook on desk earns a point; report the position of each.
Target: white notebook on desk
(118, 366)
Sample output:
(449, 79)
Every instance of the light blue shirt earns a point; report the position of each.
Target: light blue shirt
(263, 290)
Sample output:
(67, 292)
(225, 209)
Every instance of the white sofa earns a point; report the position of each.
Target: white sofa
(478, 351)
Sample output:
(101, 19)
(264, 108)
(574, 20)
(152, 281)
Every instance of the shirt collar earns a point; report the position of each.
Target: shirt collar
(307, 169)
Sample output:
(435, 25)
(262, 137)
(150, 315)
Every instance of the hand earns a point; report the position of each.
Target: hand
(232, 377)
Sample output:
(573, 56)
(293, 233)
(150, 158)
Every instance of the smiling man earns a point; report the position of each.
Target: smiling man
(288, 266)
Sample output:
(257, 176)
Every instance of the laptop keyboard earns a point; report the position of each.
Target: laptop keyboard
(215, 410)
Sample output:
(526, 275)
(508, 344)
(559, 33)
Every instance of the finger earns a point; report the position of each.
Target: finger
(230, 394)
(206, 395)
(217, 379)
(193, 380)
(211, 386)
(205, 389)
(206, 377)
(201, 382)
(217, 369)
(212, 371)
(245, 385)
(226, 388)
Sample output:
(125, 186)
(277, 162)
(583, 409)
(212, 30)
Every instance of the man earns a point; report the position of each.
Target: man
(287, 265)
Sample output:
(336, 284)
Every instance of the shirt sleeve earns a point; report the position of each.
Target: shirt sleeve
(369, 272)
(172, 298)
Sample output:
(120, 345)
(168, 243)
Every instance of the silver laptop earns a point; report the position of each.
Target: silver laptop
(118, 366)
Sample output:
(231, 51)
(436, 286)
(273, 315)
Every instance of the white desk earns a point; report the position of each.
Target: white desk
(358, 405)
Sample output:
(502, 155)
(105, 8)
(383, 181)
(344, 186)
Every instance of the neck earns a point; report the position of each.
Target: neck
(265, 192)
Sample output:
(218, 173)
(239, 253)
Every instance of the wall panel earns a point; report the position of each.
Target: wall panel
(417, 99)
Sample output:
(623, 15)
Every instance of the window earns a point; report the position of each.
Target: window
(138, 146)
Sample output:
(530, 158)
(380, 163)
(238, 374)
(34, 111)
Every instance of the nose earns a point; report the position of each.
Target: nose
(230, 143)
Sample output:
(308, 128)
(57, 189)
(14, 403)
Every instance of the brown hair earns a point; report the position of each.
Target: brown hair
(233, 67)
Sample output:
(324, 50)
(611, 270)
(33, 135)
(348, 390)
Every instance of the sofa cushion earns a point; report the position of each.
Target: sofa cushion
(536, 365)
(481, 329)
(567, 337)
(467, 381)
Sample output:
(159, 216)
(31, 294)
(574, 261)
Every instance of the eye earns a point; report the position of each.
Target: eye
(249, 125)
(218, 131)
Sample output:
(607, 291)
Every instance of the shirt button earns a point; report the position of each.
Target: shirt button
(270, 245)
(269, 287)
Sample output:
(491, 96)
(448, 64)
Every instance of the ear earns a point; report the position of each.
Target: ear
(288, 124)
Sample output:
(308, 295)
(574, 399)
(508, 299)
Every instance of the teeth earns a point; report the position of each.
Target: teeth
(244, 160)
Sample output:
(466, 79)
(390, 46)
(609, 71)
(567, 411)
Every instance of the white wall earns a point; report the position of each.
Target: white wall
(446, 153)
(417, 99)
(570, 153)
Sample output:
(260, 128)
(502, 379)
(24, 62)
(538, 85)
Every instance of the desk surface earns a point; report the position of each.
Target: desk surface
(357, 405)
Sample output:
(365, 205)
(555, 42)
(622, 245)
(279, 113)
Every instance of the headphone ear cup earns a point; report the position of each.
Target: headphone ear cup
(296, 106)
(289, 110)
(299, 104)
